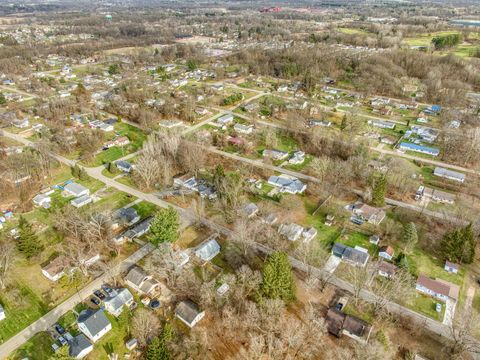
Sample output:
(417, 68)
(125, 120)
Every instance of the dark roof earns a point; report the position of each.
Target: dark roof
(78, 344)
(136, 276)
(338, 321)
(350, 254)
(95, 321)
(187, 310)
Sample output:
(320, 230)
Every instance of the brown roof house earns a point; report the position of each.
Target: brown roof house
(141, 282)
(386, 252)
(438, 288)
(339, 323)
(386, 269)
(369, 213)
(54, 270)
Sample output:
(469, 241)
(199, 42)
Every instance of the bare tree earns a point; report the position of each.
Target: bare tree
(7, 249)
(359, 277)
(145, 326)
(463, 331)
(164, 262)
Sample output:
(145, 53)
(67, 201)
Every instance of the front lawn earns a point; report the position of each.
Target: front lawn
(426, 305)
(39, 347)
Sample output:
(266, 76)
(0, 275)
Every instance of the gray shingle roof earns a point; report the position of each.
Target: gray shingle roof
(95, 321)
(77, 345)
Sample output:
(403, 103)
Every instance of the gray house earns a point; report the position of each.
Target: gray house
(94, 324)
(208, 250)
(189, 313)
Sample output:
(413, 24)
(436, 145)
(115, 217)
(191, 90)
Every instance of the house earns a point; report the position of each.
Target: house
(74, 189)
(275, 154)
(374, 239)
(225, 119)
(250, 210)
(287, 184)
(297, 158)
(451, 267)
(369, 213)
(386, 252)
(3, 316)
(131, 344)
(217, 87)
(270, 219)
(291, 231)
(114, 305)
(94, 324)
(141, 282)
(124, 166)
(79, 347)
(438, 195)
(382, 124)
(222, 289)
(339, 323)
(127, 216)
(324, 123)
(329, 220)
(21, 124)
(243, 129)
(357, 256)
(42, 200)
(180, 258)
(139, 229)
(386, 269)
(235, 140)
(309, 234)
(252, 106)
(449, 174)
(189, 313)
(201, 111)
(56, 268)
(208, 250)
(81, 201)
(419, 148)
(440, 289)
(425, 133)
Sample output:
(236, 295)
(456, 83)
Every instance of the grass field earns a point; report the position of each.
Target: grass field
(426, 305)
(37, 348)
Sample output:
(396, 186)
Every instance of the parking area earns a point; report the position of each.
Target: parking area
(449, 311)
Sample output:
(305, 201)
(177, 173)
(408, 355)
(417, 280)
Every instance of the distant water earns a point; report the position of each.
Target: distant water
(466, 22)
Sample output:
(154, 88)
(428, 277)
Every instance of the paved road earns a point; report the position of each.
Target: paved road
(49, 319)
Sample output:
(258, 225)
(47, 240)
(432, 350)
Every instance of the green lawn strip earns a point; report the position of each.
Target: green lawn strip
(91, 183)
(39, 347)
(21, 310)
(145, 208)
(433, 268)
(113, 201)
(426, 305)
(127, 180)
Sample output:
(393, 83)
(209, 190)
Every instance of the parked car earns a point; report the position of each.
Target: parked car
(99, 294)
(357, 220)
(94, 300)
(62, 340)
(438, 307)
(108, 290)
(67, 336)
(59, 329)
(55, 347)
(154, 304)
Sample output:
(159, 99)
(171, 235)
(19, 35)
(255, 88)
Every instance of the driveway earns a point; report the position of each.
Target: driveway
(332, 263)
(449, 312)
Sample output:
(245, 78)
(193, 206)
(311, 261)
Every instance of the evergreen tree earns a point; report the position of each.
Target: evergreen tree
(379, 190)
(343, 124)
(164, 227)
(410, 237)
(2, 99)
(28, 243)
(278, 282)
(158, 349)
(459, 245)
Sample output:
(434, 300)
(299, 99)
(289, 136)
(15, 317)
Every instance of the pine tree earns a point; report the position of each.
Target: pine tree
(343, 124)
(28, 243)
(2, 99)
(459, 245)
(469, 244)
(410, 237)
(164, 227)
(158, 349)
(379, 190)
(278, 282)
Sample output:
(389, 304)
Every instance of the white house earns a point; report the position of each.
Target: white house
(81, 201)
(440, 289)
(189, 313)
(74, 189)
(79, 347)
(94, 324)
(2, 313)
(243, 129)
(225, 119)
(287, 184)
(115, 305)
(56, 268)
(42, 200)
(451, 267)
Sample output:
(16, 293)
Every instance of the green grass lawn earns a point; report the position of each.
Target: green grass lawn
(426, 305)
(363, 311)
(352, 31)
(433, 268)
(37, 348)
(115, 200)
(127, 180)
(91, 183)
(21, 309)
(145, 208)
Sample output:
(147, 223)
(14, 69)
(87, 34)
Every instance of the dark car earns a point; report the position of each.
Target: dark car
(107, 289)
(357, 220)
(94, 300)
(59, 329)
(339, 306)
(99, 294)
